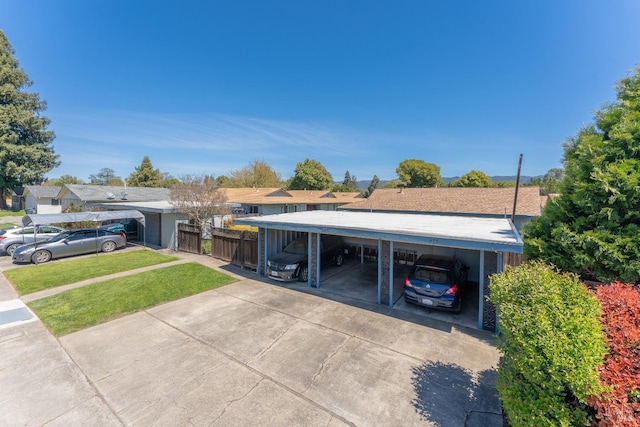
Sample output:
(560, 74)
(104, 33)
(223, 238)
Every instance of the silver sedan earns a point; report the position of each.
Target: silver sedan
(70, 243)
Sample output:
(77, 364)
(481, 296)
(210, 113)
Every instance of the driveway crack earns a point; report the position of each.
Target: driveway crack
(232, 401)
(273, 343)
(324, 362)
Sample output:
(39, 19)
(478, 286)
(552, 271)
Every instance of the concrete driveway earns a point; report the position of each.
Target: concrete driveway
(250, 353)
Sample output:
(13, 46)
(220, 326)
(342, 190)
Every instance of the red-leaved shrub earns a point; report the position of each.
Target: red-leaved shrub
(621, 370)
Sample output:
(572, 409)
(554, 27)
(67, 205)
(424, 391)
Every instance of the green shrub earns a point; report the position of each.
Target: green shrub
(552, 346)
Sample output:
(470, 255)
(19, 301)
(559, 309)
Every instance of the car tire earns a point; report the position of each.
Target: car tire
(109, 246)
(40, 257)
(339, 260)
(303, 275)
(11, 249)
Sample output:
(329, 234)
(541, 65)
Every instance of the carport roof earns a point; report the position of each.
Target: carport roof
(492, 234)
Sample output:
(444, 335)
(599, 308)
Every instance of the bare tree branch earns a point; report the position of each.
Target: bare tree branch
(199, 198)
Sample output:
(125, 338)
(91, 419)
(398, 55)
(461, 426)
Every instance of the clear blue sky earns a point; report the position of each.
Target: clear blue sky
(209, 86)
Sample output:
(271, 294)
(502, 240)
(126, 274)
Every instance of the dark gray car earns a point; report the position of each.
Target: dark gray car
(11, 238)
(70, 243)
(292, 262)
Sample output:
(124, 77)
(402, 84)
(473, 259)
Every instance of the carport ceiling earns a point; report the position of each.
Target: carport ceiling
(490, 234)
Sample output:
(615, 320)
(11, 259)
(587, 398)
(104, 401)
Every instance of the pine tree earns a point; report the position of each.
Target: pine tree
(593, 228)
(26, 153)
(145, 175)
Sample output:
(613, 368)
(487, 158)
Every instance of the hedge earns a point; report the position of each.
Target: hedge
(552, 344)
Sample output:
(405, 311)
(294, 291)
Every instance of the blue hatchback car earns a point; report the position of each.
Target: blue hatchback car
(436, 282)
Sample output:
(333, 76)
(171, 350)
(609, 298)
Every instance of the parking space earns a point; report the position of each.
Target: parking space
(356, 282)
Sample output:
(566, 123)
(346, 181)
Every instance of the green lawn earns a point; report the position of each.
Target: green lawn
(13, 213)
(43, 276)
(101, 302)
(6, 225)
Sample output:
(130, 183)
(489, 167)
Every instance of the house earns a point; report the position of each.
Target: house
(160, 216)
(465, 201)
(41, 199)
(86, 196)
(269, 201)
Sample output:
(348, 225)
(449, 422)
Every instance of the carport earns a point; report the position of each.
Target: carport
(96, 217)
(490, 238)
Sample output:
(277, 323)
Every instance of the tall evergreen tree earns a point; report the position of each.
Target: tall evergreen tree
(145, 175)
(26, 151)
(593, 228)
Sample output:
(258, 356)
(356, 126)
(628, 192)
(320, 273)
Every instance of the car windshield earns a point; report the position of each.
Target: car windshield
(296, 247)
(433, 275)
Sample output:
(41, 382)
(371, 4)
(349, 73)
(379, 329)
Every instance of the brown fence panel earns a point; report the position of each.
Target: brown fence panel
(237, 247)
(189, 238)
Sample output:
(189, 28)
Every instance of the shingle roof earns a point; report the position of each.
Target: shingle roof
(109, 193)
(42, 191)
(278, 196)
(479, 201)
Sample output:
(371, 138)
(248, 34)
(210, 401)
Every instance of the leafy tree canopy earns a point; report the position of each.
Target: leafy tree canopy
(473, 179)
(145, 175)
(64, 179)
(26, 151)
(310, 175)
(106, 176)
(256, 174)
(551, 183)
(418, 173)
(593, 228)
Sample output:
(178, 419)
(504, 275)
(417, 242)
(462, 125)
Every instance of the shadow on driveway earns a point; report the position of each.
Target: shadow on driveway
(449, 395)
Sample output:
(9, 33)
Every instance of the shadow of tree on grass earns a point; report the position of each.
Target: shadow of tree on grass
(449, 395)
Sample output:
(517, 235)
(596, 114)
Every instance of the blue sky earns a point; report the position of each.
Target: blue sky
(209, 86)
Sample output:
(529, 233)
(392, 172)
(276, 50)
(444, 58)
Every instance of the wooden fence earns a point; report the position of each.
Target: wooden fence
(237, 247)
(189, 238)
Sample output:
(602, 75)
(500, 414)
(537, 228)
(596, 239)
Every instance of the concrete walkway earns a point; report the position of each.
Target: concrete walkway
(249, 353)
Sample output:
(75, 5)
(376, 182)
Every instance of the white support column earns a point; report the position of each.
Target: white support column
(481, 292)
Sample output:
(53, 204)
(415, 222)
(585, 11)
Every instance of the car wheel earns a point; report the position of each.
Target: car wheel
(11, 249)
(303, 276)
(109, 246)
(41, 256)
(339, 260)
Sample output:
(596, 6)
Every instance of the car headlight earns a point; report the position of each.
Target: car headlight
(290, 267)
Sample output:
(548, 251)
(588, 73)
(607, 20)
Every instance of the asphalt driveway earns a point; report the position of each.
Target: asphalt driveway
(250, 353)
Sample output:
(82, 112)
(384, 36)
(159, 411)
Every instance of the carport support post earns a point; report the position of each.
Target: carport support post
(379, 273)
(391, 274)
(385, 271)
(481, 292)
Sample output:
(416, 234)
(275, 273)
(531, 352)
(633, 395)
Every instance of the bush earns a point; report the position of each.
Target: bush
(552, 344)
(621, 372)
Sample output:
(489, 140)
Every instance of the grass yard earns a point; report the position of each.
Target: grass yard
(6, 225)
(13, 213)
(43, 276)
(101, 302)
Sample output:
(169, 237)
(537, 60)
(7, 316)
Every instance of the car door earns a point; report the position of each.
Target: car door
(45, 232)
(82, 242)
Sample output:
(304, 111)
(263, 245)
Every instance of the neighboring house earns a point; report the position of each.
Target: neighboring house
(160, 216)
(86, 196)
(17, 199)
(41, 199)
(269, 201)
(466, 201)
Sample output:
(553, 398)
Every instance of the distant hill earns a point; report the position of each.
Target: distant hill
(524, 179)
